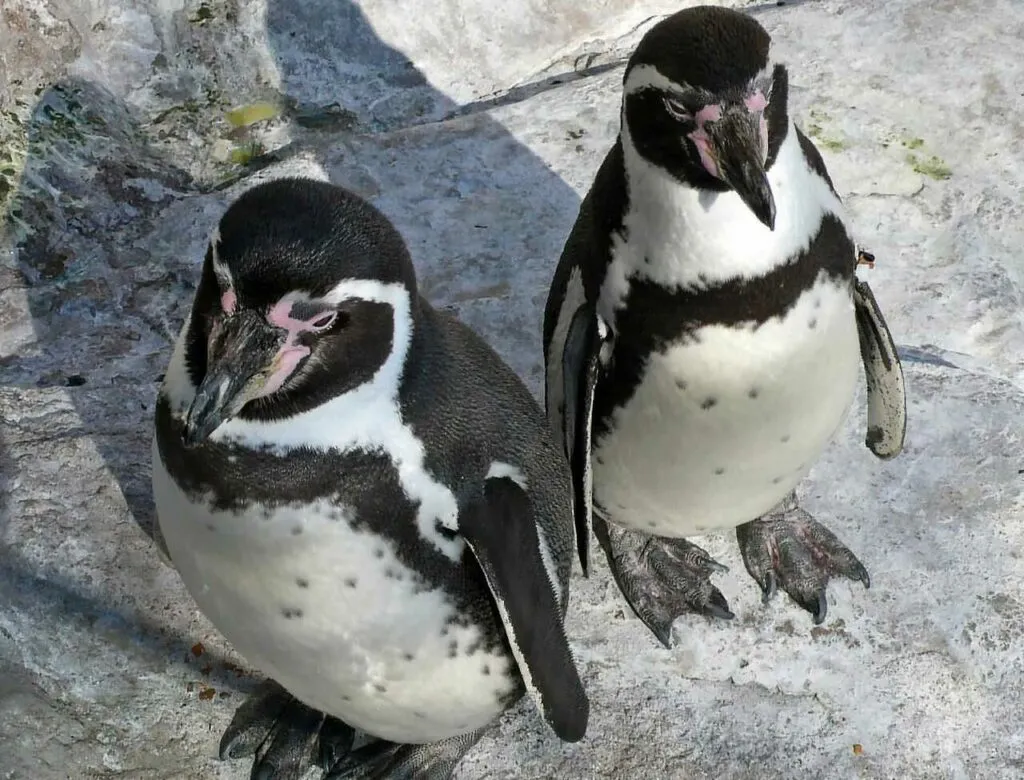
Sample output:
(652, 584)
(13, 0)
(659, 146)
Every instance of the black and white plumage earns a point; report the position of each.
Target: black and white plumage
(361, 496)
(704, 328)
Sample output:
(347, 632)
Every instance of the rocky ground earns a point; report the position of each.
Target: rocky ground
(125, 127)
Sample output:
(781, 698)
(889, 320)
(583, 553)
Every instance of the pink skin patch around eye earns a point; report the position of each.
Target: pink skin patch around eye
(756, 101)
(228, 301)
(701, 140)
(291, 353)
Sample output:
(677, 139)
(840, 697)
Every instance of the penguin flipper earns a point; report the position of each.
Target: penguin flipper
(501, 530)
(581, 363)
(887, 400)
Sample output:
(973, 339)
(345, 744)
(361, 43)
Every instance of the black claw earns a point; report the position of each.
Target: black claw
(862, 575)
(822, 610)
(663, 633)
(716, 567)
(718, 607)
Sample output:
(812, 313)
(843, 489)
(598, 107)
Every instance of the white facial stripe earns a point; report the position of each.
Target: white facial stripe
(763, 79)
(177, 386)
(220, 269)
(646, 77)
(499, 469)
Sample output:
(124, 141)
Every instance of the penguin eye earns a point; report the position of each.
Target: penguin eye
(677, 109)
(324, 322)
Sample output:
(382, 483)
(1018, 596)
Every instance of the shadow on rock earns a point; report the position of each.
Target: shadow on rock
(106, 300)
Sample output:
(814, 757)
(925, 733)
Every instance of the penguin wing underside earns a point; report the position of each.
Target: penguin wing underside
(887, 401)
(501, 530)
(581, 365)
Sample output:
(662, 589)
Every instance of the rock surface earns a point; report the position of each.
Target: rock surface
(477, 128)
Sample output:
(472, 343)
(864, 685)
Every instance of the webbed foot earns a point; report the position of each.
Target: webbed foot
(284, 736)
(788, 548)
(391, 761)
(662, 578)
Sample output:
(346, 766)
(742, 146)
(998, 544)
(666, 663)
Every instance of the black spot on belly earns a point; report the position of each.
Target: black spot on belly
(444, 530)
(784, 439)
(708, 402)
(753, 393)
(297, 530)
(291, 612)
(346, 697)
(453, 649)
(486, 670)
(813, 323)
(408, 656)
(652, 524)
(777, 480)
(380, 688)
(302, 582)
(600, 460)
(351, 582)
(419, 714)
(874, 436)
(681, 384)
(719, 471)
(378, 553)
(817, 303)
(210, 527)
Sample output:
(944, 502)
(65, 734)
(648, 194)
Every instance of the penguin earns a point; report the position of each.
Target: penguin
(361, 497)
(704, 327)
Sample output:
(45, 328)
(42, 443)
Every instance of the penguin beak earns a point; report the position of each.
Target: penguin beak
(240, 355)
(740, 154)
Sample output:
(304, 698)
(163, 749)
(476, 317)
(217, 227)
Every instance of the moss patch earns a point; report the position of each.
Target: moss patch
(931, 166)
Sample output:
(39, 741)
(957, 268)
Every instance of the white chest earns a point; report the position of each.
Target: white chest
(722, 427)
(333, 615)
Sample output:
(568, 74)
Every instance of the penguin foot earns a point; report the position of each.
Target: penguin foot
(391, 761)
(662, 578)
(285, 737)
(788, 548)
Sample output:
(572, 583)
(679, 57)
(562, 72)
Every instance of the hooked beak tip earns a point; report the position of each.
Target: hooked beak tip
(197, 432)
(204, 417)
(766, 215)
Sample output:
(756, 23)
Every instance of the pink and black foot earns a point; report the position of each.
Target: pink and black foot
(787, 548)
(662, 578)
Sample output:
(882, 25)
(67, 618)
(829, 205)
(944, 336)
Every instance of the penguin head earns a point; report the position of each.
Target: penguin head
(702, 101)
(306, 293)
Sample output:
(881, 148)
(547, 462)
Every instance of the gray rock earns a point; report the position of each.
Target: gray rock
(477, 128)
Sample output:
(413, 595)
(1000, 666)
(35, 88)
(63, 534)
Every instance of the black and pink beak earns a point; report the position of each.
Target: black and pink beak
(240, 358)
(733, 146)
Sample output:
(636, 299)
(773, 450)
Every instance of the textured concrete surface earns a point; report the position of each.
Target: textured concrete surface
(477, 127)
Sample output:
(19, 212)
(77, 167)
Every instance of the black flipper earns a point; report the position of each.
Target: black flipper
(581, 362)
(501, 530)
(887, 401)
